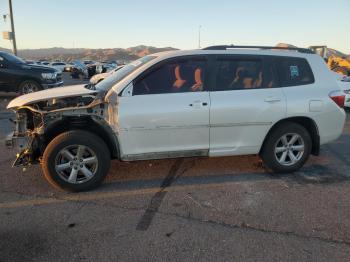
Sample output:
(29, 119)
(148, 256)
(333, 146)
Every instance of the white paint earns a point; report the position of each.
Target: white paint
(58, 92)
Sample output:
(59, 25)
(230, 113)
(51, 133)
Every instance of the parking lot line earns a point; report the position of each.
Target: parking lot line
(107, 195)
(32, 202)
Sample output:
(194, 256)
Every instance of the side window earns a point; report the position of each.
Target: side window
(237, 73)
(177, 76)
(293, 71)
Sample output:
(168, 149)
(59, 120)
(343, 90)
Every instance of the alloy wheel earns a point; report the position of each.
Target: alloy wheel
(76, 164)
(289, 149)
(29, 87)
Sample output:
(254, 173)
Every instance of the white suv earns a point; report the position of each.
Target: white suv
(219, 101)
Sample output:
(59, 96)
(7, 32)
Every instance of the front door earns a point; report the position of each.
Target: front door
(168, 112)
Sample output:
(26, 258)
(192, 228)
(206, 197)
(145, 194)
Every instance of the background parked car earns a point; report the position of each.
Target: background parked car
(78, 70)
(99, 77)
(45, 63)
(30, 62)
(59, 66)
(344, 83)
(68, 67)
(88, 62)
(17, 76)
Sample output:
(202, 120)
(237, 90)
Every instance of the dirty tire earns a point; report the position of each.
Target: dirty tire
(268, 154)
(29, 86)
(76, 138)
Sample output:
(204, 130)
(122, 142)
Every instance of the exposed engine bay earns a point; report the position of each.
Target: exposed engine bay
(59, 103)
(38, 123)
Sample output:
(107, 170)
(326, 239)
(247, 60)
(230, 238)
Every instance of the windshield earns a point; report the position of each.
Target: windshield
(12, 58)
(114, 78)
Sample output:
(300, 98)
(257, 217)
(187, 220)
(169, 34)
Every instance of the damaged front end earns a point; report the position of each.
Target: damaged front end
(24, 136)
(37, 123)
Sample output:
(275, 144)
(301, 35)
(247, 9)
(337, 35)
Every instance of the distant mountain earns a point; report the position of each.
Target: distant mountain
(5, 49)
(70, 54)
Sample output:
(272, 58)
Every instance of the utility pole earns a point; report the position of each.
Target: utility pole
(199, 36)
(13, 29)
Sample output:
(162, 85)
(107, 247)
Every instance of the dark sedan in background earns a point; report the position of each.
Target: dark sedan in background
(17, 76)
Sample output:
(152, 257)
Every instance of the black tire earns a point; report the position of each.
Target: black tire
(29, 86)
(269, 155)
(92, 144)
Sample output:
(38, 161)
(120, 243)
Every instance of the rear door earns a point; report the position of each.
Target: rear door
(245, 103)
(168, 112)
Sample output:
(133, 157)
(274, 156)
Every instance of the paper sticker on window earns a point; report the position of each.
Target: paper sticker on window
(294, 72)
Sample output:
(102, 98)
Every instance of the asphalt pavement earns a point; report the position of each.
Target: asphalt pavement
(193, 209)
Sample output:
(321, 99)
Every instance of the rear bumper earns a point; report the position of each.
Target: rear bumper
(330, 125)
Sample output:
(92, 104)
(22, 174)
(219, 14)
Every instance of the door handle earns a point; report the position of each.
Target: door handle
(198, 104)
(272, 99)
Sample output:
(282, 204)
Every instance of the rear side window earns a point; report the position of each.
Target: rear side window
(241, 73)
(294, 71)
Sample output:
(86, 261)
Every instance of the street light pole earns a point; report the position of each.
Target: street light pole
(13, 29)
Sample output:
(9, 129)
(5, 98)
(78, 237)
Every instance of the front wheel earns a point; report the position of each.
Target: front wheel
(28, 86)
(287, 148)
(76, 161)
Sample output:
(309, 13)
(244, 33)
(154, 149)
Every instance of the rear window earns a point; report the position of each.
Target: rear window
(294, 71)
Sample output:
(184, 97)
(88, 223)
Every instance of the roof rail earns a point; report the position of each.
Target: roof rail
(225, 47)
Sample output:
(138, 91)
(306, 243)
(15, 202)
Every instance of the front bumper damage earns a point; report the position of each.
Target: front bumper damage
(35, 127)
(23, 140)
(25, 146)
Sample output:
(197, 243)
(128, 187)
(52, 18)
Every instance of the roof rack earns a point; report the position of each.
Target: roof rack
(225, 47)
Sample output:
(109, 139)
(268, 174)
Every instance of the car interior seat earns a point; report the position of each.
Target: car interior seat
(179, 82)
(198, 85)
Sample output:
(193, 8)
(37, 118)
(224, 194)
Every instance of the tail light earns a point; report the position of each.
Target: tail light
(338, 97)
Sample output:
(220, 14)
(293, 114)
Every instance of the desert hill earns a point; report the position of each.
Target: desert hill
(70, 54)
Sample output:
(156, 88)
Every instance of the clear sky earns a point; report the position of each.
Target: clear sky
(121, 23)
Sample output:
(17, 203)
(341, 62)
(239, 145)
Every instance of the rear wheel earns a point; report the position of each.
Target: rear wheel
(287, 148)
(28, 86)
(76, 161)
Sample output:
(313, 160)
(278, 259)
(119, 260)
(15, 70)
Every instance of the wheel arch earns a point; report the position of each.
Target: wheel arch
(308, 123)
(85, 123)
